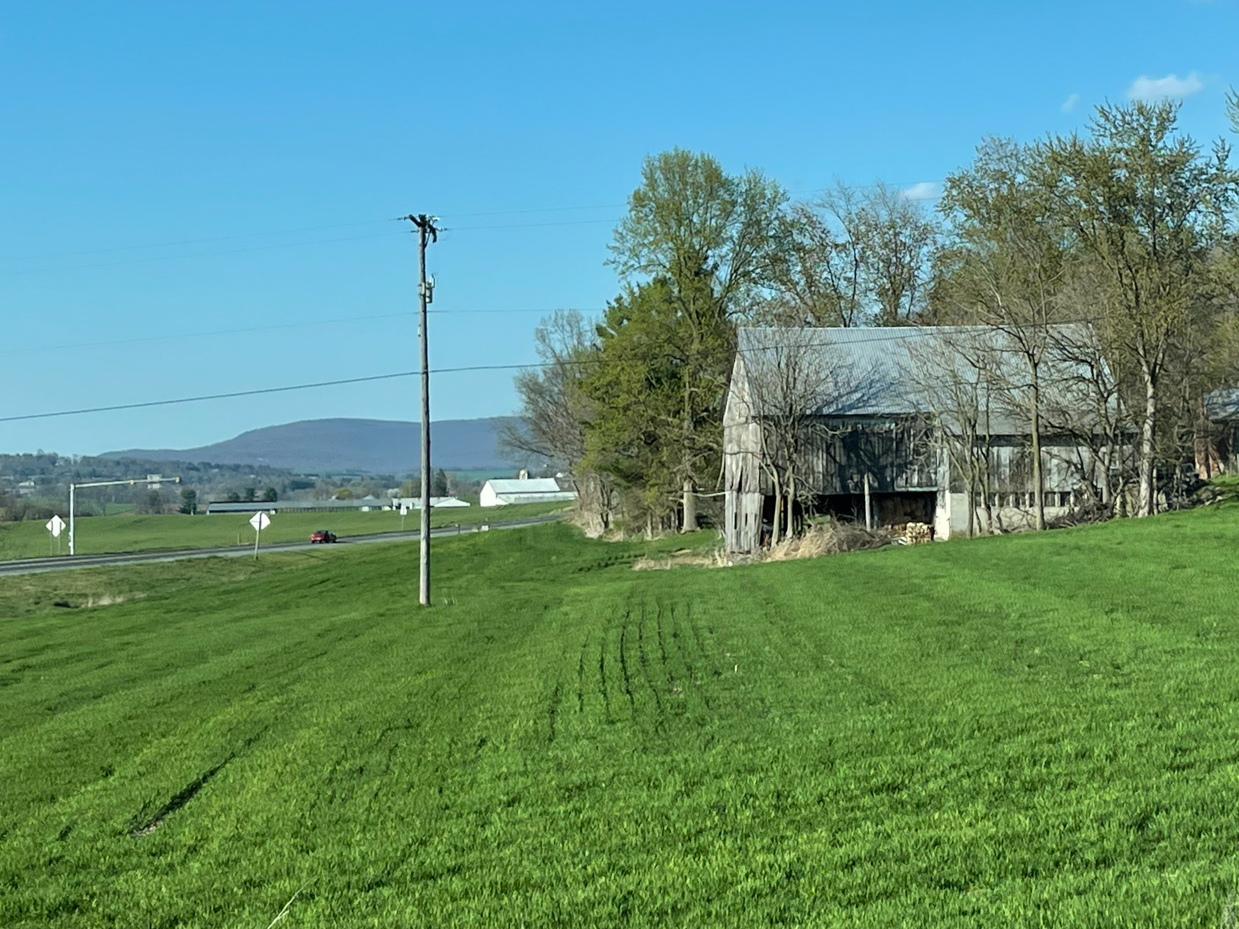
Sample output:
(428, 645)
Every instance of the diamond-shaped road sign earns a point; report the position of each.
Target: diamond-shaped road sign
(260, 521)
(55, 526)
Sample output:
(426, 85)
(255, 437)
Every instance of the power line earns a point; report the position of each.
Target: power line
(197, 335)
(566, 222)
(225, 396)
(219, 238)
(277, 326)
(371, 222)
(228, 251)
(886, 337)
(553, 209)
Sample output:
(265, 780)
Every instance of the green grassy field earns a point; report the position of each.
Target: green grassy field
(1016, 731)
(130, 533)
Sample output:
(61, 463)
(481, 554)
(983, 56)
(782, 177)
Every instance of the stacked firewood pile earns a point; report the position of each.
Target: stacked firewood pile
(916, 533)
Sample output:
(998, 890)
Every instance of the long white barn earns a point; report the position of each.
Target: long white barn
(523, 490)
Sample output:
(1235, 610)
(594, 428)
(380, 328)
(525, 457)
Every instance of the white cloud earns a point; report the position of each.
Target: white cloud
(1150, 89)
(925, 190)
(1070, 103)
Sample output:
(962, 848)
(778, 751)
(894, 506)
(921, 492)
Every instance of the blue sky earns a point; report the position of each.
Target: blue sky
(168, 171)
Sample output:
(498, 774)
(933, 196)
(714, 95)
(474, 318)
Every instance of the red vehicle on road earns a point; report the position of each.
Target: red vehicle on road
(322, 535)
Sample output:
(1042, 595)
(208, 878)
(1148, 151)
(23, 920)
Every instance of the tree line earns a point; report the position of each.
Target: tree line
(1127, 229)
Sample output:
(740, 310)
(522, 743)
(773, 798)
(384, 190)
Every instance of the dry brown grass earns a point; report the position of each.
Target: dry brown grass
(714, 558)
(829, 538)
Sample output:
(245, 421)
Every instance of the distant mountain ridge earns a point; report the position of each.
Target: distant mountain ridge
(374, 445)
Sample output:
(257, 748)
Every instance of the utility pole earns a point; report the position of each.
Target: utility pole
(426, 231)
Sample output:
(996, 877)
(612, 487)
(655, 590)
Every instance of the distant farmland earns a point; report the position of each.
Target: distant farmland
(140, 533)
(1027, 730)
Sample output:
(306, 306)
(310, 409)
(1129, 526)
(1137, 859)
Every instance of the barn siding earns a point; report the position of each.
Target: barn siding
(900, 454)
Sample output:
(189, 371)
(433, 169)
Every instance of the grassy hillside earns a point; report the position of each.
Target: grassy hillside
(1021, 731)
(130, 533)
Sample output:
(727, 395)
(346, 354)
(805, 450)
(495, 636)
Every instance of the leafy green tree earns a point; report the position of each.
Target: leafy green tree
(707, 237)
(249, 495)
(270, 495)
(438, 484)
(635, 392)
(189, 501)
(1148, 208)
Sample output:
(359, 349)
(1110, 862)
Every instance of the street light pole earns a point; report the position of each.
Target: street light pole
(155, 479)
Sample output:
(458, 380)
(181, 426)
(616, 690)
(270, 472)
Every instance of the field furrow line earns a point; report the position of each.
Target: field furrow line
(552, 709)
(662, 643)
(645, 666)
(602, 676)
(580, 677)
(707, 658)
(681, 650)
(623, 660)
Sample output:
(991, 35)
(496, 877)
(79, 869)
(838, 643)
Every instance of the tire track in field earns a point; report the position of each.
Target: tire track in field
(644, 660)
(552, 710)
(710, 659)
(602, 673)
(557, 695)
(682, 649)
(580, 677)
(662, 643)
(623, 660)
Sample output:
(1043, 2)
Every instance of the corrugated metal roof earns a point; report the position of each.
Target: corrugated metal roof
(276, 506)
(891, 371)
(369, 502)
(533, 485)
(416, 502)
(1222, 405)
(547, 497)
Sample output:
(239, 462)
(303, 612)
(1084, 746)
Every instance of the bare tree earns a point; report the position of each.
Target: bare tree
(851, 257)
(899, 238)
(1086, 404)
(818, 272)
(551, 425)
(1010, 273)
(955, 374)
(791, 385)
(555, 410)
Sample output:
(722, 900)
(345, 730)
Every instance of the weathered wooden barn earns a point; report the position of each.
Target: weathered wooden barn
(1218, 452)
(881, 415)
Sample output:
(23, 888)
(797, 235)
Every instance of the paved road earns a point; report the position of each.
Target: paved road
(61, 563)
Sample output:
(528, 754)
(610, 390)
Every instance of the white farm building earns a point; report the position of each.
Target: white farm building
(523, 490)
